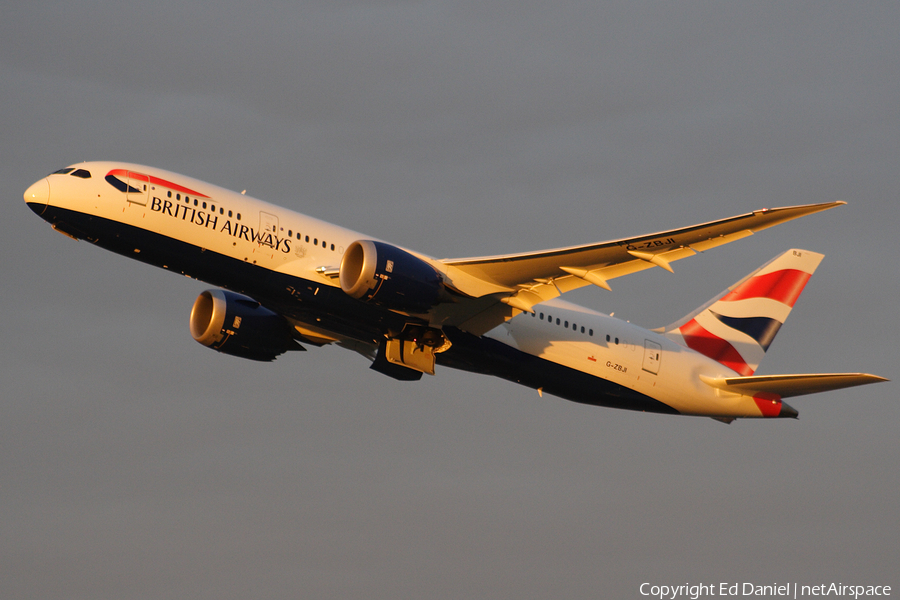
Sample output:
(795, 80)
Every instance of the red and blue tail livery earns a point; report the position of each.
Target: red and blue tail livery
(736, 328)
(284, 281)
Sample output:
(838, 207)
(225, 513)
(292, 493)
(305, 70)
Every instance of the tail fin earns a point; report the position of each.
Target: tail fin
(736, 327)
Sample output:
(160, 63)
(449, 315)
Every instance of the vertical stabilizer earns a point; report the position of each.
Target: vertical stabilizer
(736, 327)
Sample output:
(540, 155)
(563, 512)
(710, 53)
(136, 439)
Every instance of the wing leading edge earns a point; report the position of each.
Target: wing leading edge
(519, 281)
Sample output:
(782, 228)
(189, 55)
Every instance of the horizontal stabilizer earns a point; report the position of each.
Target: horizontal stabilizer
(786, 386)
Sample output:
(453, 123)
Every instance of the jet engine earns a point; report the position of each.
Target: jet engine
(383, 274)
(240, 326)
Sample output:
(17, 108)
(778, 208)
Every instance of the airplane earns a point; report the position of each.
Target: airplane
(285, 280)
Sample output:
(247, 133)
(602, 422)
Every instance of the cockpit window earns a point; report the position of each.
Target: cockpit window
(81, 173)
(65, 171)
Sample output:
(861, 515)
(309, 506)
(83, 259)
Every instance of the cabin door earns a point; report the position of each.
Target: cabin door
(268, 224)
(652, 355)
(138, 189)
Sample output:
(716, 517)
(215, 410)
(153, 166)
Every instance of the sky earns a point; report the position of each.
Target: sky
(137, 464)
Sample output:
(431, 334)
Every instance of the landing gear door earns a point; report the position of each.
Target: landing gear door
(138, 189)
(652, 355)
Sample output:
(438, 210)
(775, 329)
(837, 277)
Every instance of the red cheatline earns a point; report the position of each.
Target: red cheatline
(156, 181)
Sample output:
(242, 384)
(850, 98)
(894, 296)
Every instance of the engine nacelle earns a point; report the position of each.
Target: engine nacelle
(386, 275)
(239, 326)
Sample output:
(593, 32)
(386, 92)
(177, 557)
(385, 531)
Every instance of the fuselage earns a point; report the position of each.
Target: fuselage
(289, 262)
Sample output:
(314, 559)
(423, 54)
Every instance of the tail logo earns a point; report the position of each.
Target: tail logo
(737, 328)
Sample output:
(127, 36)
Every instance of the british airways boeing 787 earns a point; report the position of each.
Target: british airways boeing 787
(285, 279)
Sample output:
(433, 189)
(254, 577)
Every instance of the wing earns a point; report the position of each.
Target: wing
(495, 286)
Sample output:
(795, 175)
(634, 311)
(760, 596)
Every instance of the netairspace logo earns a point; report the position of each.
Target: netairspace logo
(774, 590)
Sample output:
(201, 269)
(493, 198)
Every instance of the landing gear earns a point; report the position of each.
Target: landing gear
(407, 355)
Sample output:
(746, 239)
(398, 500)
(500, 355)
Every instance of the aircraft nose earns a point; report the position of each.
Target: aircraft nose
(38, 195)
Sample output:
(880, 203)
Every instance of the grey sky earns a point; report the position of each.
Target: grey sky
(137, 464)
